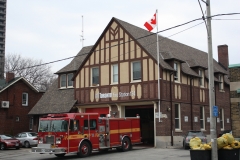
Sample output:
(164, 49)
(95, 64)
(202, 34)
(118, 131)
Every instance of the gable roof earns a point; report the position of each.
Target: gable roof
(169, 49)
(77, 61)
(55, 100)
(4, 85)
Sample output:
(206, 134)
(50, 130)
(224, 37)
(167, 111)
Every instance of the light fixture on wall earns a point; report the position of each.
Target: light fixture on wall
(168, 109)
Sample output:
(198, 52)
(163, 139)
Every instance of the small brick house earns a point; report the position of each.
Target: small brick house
(17, 97)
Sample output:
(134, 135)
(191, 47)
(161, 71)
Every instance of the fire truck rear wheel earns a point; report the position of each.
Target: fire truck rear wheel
(126, 144)
(60, 155)
(84, 149)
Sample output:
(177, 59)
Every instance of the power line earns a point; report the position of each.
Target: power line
(226, 19)
(129, 40)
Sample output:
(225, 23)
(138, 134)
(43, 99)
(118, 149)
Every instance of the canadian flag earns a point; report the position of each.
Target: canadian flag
(151, 23)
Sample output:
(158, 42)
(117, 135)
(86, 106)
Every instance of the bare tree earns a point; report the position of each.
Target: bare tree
(38, 75)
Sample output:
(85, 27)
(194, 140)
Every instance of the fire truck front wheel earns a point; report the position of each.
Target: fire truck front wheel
(84, 149)
(126, 144)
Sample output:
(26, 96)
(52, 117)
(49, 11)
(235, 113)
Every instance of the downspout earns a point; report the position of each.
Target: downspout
(171, 108)
(191, 103)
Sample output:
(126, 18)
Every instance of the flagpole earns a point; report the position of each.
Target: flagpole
(159, 106)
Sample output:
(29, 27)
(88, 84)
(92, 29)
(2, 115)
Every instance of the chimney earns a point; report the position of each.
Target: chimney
(223, 56)
(9, 76)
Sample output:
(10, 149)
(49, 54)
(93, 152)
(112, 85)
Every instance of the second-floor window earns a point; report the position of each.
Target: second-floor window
(220, 78)
(115, 73)
(63, 81)
(201, 80)
(136, 71)
(69, 80)
(95, 76)
(66, 80)
(24, 99)
(177, 73)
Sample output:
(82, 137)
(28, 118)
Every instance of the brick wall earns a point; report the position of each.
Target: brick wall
(13, 94)
(235, 105)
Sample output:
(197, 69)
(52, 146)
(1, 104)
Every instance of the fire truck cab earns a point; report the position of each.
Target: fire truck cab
(81, 133)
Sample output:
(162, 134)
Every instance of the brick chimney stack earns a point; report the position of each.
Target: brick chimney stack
(223, 56)
(9, 76)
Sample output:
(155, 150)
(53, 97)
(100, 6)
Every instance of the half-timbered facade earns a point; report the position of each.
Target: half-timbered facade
(121, 75)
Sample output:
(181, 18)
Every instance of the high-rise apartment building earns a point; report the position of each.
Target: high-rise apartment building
(3, 7)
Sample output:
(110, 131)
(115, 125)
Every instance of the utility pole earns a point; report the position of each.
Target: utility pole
(211, 86)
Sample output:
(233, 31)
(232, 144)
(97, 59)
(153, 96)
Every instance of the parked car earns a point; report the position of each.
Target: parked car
(192, 134)
(28, 139)
(7, 141)
(224, 132)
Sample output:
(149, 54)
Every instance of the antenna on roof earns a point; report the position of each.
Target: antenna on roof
(81, 36)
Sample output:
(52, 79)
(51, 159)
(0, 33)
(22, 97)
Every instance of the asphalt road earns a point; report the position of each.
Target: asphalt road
(137, 153)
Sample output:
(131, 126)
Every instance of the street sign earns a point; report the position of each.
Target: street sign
(215, 111)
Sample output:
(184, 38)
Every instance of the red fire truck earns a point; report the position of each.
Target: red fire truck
(82, 133)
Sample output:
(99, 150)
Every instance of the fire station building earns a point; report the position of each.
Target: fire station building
(119, 75)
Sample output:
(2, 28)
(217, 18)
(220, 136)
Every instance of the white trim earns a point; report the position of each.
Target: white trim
(24, 80)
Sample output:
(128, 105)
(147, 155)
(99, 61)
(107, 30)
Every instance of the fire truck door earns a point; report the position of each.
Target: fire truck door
(90, 129)
(74, 135)
(104, 137)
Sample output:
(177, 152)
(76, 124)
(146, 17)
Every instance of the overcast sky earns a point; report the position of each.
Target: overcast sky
(50, 29)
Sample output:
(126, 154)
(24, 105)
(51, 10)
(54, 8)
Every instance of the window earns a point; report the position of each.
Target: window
(222, 119)
(92, 124)
(202, 118)
(115, 73)
(17, 119)
(69, 78)
(95, 76)
(177, 117)
(74, 125)
(25, 99)
(63, 81)
(177, 73)
(201, 80)
(31, 123)
(136, 71)
(220, 78)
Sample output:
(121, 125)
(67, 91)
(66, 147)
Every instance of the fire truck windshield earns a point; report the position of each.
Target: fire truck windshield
(53, 126)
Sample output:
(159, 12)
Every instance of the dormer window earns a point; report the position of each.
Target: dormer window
(177, 73)
(69, 80)
(66, 80)
(201, 79)
(63, 81)
(220, 78)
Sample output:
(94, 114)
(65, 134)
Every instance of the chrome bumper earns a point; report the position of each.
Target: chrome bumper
(46, 148)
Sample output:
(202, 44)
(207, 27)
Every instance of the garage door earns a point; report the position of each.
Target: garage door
(102, 111)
